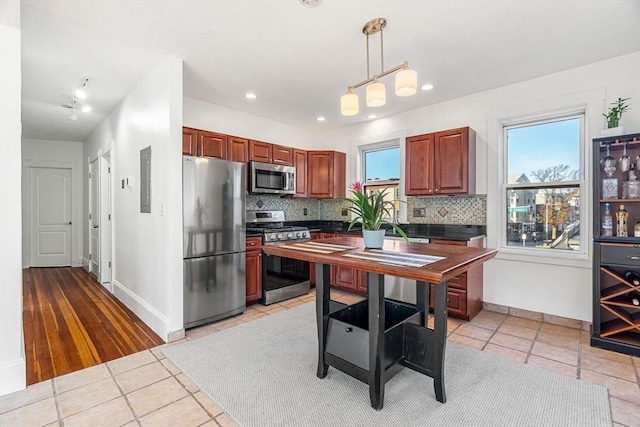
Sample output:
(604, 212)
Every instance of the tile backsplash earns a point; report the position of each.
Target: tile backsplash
(463, 210)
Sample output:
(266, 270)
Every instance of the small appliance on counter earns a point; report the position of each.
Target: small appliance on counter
(214, 239)
(282, 278)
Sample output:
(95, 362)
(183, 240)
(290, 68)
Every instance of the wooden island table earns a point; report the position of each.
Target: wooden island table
(374, 339)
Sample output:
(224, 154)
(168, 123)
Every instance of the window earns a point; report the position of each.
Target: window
(543, 182)
(381, 170)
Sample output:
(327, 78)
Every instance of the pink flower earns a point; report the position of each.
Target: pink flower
(356, 187)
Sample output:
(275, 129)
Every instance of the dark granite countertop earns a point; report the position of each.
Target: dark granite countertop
(425, 231)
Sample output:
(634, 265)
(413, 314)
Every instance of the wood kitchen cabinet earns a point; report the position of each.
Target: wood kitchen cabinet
(464, 292)
(211, 144)
(260, 151)
(237, 149)
(189, 141)
(441, 163)
(281, 155)
(326, 174)
(300, 163)
(254, 269)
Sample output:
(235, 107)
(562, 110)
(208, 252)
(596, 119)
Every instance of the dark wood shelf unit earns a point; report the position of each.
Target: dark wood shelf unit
(616, 320)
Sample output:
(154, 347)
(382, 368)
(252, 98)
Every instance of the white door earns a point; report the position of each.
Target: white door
(94, 218)
(105, 216)
(50, 217)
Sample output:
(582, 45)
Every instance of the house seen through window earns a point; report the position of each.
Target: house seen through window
(543, 184)
(381, 170)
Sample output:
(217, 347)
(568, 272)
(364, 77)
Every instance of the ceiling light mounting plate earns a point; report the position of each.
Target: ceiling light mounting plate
(374, 26)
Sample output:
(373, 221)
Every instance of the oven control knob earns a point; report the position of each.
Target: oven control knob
(305, 234)
(289, 235)
(280, 236)
(272, 236)
(298, 235)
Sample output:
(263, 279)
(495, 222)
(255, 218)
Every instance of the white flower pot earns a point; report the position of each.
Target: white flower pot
(612, 131)
(373, 239)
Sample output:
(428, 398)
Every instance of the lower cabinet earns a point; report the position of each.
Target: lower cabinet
(616, 305)
(464, 292)
(254, 269)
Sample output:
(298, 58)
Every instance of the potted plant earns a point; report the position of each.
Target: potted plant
(613, 117)
(370, 211)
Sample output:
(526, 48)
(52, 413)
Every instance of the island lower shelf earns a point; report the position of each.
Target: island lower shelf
(348, 332)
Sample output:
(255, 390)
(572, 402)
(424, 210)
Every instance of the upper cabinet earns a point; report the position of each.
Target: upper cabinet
(441, 163)
(189, 141)
(326, 174)
(197, 142)
(300, 163)
(212, 144)
(260, 151)
(281, 155)
(237, 149)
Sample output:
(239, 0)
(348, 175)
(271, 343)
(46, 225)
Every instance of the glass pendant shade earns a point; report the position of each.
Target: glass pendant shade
(376, 94)
(349, 104)
(406, 82)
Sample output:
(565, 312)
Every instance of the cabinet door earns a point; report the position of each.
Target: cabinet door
(326, 174)
(454, 170)
(254, 275)
(212, 144)
(260, 151)
(419, 159)
(300, 163)
(281, 155)
(237, 149)
(189, 142)
(344, 277)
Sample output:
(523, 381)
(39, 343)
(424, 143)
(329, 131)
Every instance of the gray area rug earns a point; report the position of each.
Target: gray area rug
(263, 373)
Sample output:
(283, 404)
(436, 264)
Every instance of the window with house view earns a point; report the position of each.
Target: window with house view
(543, 184)
(381, 169)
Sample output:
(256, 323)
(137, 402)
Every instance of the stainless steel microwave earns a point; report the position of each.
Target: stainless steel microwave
(268, 178)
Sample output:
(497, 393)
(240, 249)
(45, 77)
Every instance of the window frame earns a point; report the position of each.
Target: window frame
(394, 183)
(582, 183)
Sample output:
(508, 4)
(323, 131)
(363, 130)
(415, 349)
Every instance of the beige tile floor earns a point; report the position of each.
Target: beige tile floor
(147, 389)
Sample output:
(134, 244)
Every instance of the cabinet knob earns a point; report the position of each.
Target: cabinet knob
(634, 257)
(348, 329)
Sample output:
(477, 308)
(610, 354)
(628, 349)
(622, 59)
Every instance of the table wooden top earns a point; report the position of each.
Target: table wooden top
(457, 259)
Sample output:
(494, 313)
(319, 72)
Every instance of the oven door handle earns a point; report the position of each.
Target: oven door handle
(286, 181)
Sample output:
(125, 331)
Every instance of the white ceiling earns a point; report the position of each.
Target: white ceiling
(300, 60)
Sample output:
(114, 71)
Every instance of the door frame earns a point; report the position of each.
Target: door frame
(76, 208)
(91, 250)
(105, 205)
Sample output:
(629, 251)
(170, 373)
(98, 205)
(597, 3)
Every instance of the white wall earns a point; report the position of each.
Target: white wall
(12, 359)
(42, 153)
(147, 247)
(203, 115)
(562, 290)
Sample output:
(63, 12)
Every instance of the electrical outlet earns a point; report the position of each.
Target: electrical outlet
(304, 211)
(345, 212)
(420, 212)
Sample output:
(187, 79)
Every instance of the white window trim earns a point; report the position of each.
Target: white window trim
(591, 104)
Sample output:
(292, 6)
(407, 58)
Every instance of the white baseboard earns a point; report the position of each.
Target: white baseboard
(108, 286)
(85, 264)
(13, 376)
(149, 315)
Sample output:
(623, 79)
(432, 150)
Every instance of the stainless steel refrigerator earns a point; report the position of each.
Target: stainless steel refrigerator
(214, 245)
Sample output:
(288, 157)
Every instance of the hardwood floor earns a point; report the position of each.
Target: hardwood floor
(71, 322)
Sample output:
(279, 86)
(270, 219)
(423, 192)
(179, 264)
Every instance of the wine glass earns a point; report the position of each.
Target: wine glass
(608, 164)
(625, 161)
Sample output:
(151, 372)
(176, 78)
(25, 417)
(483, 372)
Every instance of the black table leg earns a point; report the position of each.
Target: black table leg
(375, 291)
(440, 339)
(323, 278)
(422, 301)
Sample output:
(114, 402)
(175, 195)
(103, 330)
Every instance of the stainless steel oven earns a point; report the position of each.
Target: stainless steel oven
(282, 278)
(276, 179)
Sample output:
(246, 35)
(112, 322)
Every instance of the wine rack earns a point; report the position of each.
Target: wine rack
(616, 259)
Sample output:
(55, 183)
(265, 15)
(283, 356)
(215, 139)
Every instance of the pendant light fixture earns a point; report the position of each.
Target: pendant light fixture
(376, 96)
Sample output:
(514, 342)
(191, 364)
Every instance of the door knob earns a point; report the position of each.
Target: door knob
(69, 222)
(95, 226)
